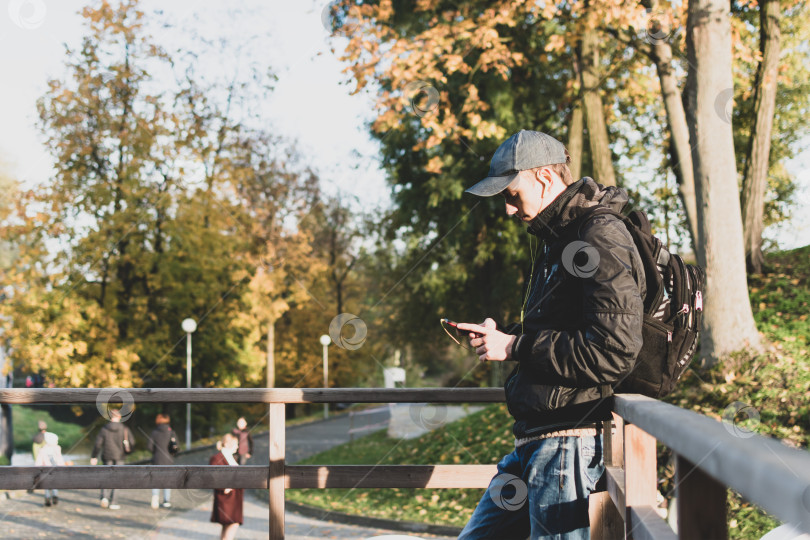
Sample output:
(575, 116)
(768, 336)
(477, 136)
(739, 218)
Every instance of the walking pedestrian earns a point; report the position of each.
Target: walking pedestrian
(38, 442)
(113, 443)
(245, 439)
(163, 445)
(50, 455)
(39, 439)
(227, 509)
(580, 335)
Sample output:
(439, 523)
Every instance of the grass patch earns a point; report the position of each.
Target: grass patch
(482, 437)
(25, 421)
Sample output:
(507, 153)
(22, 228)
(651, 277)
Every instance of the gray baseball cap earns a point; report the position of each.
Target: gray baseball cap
(522, 151)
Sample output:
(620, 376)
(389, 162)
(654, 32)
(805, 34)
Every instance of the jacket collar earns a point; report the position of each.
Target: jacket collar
(543, 223)
(572, 203)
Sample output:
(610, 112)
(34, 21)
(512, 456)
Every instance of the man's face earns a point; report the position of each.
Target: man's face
(531, 192)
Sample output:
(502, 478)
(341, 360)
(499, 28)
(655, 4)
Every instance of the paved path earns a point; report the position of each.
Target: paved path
(78, 514)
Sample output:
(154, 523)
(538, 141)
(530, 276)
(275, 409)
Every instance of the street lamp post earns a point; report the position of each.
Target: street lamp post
(325, 341)
(189, 326)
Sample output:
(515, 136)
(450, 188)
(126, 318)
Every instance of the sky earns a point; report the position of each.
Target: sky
(311, 104)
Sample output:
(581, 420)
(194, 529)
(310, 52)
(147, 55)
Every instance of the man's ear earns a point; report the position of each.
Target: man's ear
(545, 177)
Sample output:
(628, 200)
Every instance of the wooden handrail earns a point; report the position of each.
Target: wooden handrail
(764, 471)
(250, 395)
(248, 476)
(710, 455)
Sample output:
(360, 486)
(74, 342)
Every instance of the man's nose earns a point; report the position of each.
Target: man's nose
(511, 210)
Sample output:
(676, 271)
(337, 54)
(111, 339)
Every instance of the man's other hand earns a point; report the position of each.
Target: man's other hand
(93, 461)
(489, 343)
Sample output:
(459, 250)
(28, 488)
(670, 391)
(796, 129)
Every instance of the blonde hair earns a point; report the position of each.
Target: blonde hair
(228, 437)
(563, 170)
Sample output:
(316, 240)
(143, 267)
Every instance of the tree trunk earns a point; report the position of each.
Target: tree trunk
(594, 112)
(271, 357)
(575, 134)
(681, 154)
(755, 179)
(728, 323)
(6, 422)
(575, 141)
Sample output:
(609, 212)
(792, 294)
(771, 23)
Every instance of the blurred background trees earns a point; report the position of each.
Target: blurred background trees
(170, 198)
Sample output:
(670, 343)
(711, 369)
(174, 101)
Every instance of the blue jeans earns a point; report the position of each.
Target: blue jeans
(167, 493)
(541, 491)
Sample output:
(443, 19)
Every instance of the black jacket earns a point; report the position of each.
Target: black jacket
(582, 326)
(159, 445)
(110, 441)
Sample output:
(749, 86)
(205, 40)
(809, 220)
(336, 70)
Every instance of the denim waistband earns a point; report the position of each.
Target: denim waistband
(577, 432)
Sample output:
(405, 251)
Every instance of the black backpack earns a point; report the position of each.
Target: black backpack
(673, 309)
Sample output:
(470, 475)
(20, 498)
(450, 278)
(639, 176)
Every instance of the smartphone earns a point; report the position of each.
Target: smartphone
(461, 333)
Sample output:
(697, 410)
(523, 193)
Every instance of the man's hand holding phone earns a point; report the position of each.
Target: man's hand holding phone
(488, 341)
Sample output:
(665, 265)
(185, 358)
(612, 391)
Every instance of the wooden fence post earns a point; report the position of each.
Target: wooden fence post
(607, 523)
(640, 474)
(701, 502)
(615, 453)
(276, 471)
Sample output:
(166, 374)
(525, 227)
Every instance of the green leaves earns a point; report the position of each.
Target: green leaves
(162, 206)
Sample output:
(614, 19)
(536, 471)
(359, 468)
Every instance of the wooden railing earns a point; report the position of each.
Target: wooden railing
(709, 457)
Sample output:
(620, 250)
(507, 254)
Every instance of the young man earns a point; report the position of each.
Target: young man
(159, 443)
(114, 442)
(581, 333)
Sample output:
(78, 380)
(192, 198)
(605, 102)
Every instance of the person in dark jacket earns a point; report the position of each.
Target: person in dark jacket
(579, 336)
(160, 441)
(245, 439)
(227, 510)
(113, 443)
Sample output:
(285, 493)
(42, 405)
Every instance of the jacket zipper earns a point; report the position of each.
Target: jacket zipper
(554, 394)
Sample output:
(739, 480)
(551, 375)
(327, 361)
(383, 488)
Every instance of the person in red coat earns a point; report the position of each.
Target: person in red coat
(227, 509)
